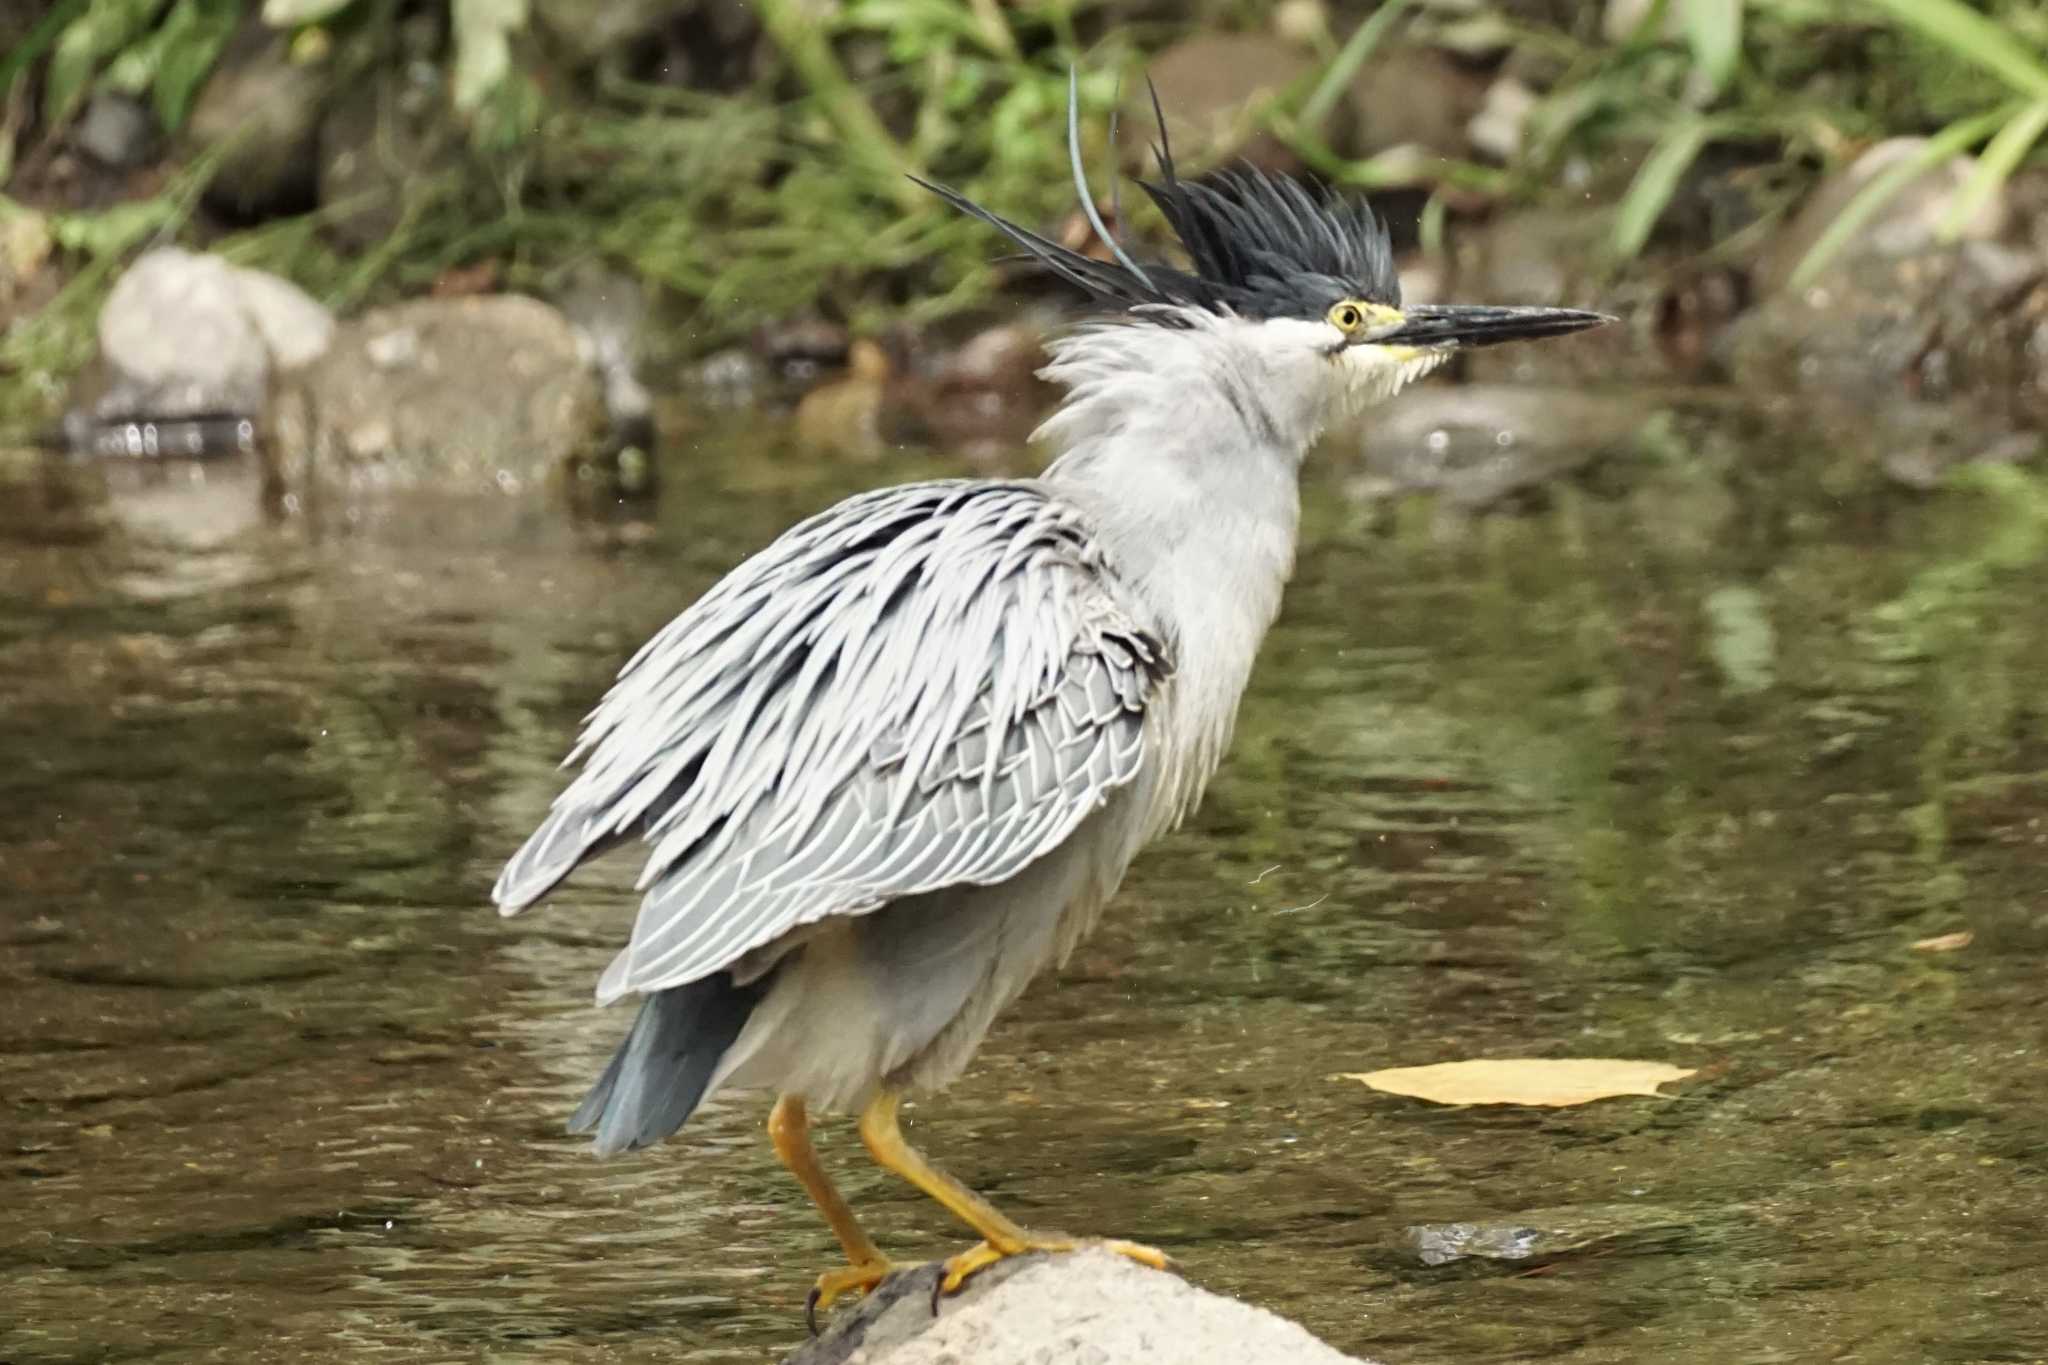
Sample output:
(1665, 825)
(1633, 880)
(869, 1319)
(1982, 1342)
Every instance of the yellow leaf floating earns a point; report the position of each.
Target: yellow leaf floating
(1556, 1082)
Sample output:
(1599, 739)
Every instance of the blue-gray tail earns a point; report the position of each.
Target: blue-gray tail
(659, 1074)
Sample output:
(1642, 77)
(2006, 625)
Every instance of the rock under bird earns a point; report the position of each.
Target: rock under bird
(894, 766)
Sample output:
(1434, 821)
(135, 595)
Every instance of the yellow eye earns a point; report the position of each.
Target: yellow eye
(1347, 317)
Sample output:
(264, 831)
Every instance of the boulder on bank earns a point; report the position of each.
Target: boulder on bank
(1947, 323)
(483, 395)
(185, 332)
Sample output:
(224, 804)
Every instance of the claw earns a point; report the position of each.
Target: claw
(834, 1283)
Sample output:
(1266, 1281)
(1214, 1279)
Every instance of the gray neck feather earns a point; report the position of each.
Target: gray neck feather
(1187, 464)
(1185, 446)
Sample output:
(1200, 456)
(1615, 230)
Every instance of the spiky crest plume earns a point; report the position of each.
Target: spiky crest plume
(1259, 245)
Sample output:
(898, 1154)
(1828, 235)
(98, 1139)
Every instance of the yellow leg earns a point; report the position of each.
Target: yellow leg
(1001, 1238)
(789, 1128)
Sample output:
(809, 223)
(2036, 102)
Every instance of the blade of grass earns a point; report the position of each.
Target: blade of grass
(1995, 165)
(1958, 137)
(1649, 194)
(1973, 37)
(293, 13)
(995, 30)
(96, 36)
(38, 38)
(1429, 230)
(1395, 168)
(867, 141)
(1713, 30)
(1344, 66)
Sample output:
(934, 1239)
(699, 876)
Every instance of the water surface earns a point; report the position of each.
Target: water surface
(1677, 763)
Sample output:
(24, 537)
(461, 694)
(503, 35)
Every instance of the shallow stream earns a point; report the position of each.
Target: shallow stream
(1677, 765)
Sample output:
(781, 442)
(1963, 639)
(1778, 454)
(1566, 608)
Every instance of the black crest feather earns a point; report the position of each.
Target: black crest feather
(1259, 245)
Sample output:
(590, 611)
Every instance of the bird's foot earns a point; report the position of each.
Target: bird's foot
(957, 1270)
(834, 1284)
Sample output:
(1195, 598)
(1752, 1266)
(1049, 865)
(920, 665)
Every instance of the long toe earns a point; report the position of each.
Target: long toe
(979, 1257)
(1136, 1251)
(835, 1284)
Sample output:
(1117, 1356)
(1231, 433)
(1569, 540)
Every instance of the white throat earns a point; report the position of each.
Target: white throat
(1184, 444)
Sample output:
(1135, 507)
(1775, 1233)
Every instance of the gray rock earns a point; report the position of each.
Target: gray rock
(2026, 200)
(116, 130)
(1905, 225)
(1211, 86)
(1944, 323)
(296, 328)
(1442, 1243)
(1499, 128)
(184, 332)
(1089, 1308)
(1544, 256)
(474, 396)
(261, 111)
(1419, 99)
(1552, 257)
(1305, 23)
(1545, 1235)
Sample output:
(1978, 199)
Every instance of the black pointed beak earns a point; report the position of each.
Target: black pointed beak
(1453, 324)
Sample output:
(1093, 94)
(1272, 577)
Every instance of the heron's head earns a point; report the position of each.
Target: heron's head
(1299, 283)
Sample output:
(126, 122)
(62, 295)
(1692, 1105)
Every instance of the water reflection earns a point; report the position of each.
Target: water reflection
(273, 1080)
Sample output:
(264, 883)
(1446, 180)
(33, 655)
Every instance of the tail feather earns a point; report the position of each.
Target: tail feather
(659, 1074)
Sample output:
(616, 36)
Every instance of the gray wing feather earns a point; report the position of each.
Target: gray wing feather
(921, 687)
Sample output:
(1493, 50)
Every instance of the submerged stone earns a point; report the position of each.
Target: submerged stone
(1549, 1234)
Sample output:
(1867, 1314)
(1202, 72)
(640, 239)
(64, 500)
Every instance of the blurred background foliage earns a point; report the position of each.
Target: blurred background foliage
(750, 159)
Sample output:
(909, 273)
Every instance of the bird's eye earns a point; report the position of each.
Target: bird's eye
(1347, 317)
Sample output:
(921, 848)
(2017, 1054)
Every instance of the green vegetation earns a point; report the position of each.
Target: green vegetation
(1793, 84)
(788, 193)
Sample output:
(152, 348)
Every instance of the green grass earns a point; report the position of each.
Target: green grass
(790, 197)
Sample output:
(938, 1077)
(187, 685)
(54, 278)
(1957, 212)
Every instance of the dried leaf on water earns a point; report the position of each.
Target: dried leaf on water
(1556, 1082)
(1945, 943)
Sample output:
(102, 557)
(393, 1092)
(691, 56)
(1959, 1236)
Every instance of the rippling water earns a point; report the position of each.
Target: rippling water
(1677, 766)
